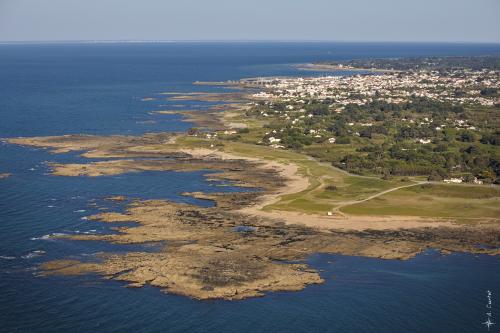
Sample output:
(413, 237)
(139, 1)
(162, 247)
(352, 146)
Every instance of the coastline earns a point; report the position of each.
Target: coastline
(207, 257)
(328, 67)
(297, 183)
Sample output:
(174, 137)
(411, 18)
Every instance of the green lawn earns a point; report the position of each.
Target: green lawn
(449, 201)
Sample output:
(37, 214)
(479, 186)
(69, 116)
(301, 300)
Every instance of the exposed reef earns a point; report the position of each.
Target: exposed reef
(207, 119)
(224, 251)
(226, 97)
(206, 253)
(5, 175)
(206, 257)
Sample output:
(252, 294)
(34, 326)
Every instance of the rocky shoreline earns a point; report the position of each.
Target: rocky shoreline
(226, 251)
(206, 256)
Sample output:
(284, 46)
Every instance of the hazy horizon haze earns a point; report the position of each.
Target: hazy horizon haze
(259, 20)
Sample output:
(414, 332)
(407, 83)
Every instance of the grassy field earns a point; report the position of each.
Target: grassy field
(320, 197)
(331, 189)
(448, 201)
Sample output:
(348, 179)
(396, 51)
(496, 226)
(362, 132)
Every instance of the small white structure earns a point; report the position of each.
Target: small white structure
(332, 140)
(453, 180)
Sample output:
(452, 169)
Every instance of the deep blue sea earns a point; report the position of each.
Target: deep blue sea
(98, 89)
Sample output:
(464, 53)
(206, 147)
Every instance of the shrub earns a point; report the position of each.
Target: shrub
(343, 140)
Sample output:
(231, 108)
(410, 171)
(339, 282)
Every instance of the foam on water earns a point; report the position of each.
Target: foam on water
(7, 257)
(49, 236)
(33, 254)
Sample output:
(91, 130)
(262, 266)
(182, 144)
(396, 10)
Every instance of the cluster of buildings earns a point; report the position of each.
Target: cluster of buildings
(457, 86)
(461, 86)
(461, 180)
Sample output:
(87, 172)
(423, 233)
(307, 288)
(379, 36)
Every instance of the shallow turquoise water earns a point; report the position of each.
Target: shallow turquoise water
(97, 89)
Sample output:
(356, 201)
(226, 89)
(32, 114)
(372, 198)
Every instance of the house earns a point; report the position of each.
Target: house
(332, 140)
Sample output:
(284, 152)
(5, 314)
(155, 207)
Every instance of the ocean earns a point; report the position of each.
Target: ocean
(55, 89)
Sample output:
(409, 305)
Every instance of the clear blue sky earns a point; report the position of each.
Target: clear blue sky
(351, 20)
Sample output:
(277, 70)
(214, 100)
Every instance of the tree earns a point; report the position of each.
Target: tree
(467, 136)
(343, 140)
(469, 178)
(386, 175)
(488, 91)
(193, 131)
(434, 176)
(490, 138)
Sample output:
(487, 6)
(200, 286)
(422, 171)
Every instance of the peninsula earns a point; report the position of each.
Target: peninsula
(383, 165)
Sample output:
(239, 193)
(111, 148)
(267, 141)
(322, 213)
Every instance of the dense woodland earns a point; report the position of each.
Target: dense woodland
(390, 147)
(428, 63)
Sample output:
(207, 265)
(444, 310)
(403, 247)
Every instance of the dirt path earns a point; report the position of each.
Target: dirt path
(354, 202)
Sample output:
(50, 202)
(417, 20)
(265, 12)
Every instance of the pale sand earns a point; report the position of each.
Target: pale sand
(297, 183)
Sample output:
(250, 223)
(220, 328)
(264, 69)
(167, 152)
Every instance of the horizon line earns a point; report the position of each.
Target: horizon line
(165, 41)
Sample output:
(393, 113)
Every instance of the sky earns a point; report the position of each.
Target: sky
(329, 20)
